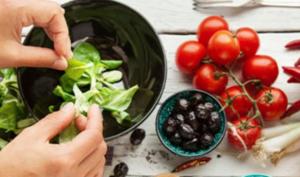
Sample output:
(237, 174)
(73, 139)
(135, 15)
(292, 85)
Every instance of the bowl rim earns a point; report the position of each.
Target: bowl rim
(213, 147)
(163, 84)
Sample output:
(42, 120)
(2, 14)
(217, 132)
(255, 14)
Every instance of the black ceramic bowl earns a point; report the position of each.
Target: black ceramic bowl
(119, 33)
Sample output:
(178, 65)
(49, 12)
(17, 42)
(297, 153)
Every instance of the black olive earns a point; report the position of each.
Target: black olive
(192, 145)
(182, 104)
(186, 131)
(121, 170)
(214, 116)
(206, 140)
(214, 122)
(176, 139)
(196, 99)
(209, 106)
(179, 118)
(137, 136)
(200, 107)
(192, 120)
(202, 115)
(170, 126)
(203, 127)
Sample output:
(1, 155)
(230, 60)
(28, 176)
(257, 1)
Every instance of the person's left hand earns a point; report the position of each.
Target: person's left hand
(16, 14)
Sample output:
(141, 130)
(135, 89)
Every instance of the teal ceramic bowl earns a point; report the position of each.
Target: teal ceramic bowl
(257, 175)
(166, 110)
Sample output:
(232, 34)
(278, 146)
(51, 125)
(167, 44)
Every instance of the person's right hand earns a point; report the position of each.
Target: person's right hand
(31, 155)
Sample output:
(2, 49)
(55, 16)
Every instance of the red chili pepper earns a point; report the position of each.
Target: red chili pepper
(297, 64)
(293, 44)
(191, 164)
(293, 71)
(293, 80)
(295, 107)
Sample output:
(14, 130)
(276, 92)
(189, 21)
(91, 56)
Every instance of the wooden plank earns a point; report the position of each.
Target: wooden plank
(173, 16)
(150, 158)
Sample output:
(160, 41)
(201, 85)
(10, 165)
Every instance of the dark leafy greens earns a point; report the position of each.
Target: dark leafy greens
(90, 80)
(13, 114)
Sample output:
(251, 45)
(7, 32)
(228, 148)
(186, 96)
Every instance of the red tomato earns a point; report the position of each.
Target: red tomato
(272, 103)
(248, 129)
(239, 104)
(223, 48)
(210, 78)
(189, 56)
(261, 67)
(249, 41)
(209, 26)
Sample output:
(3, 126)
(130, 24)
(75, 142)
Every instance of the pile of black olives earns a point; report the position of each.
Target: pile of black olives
(193, 123)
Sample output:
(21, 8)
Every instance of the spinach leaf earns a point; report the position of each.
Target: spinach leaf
(112, 76)
(89, 80)
(119, 100)
(86, 52)
(68, 134)
(3, 143)
(112, 64)
(10, 112)
(58, 91)
(121, 116)
(76, 68)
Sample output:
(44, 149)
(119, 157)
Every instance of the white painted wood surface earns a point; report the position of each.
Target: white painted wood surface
(228, 164)
(177, 16)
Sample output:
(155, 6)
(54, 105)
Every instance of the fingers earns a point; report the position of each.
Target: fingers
(39, 57)
(93, 159)
(95, 118)
(101, 169)
(89, 139)
(97, 170)
(54, 123)
(81, 122)
(50, 16)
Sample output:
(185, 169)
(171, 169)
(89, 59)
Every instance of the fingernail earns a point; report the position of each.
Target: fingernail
(67, 107)
(97, 108)
(60, 64)
(70, 54)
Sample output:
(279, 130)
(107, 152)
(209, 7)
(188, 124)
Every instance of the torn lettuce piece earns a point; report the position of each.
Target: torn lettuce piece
(89, 80)
(86, 52)
(76, 68)
(3, 143)
(10, 112)
(58, 91)
(112, 64)
(121, 116)
(119, 100)
(68, 134)
(112, 76)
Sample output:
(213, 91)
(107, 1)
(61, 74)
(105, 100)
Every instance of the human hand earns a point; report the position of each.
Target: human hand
(31, 155)
(16, 14)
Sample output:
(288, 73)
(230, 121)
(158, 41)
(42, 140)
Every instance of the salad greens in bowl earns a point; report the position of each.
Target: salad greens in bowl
(118, 63)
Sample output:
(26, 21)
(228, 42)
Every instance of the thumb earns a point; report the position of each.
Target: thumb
(39, 57)
(54, 123)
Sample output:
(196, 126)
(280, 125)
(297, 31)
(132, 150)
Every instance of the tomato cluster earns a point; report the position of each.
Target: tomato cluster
(208, 61)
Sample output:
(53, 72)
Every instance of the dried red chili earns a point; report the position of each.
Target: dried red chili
(293, 44)
(297, 64)
(293, 80)
(191, 164)
(293, 71)
(295, 107)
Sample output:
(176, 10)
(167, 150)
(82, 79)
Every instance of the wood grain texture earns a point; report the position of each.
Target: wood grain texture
(178, 16)
(151, 158)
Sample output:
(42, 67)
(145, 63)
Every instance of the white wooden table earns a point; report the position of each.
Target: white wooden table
(175, 21)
